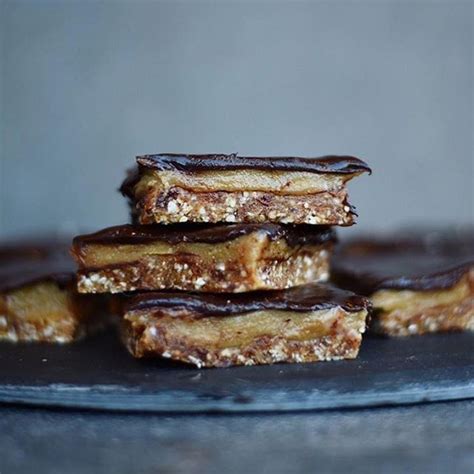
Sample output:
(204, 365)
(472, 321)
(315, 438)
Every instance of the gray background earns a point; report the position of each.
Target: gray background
(88, 85)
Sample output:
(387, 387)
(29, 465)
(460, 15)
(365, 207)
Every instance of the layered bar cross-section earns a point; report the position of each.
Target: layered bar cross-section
(418, 284)
(200, 257)
(303, 324)
(173, 188)
(38, 296)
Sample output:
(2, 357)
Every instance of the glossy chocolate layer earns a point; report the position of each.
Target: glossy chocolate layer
(419, 262)
(28, 263)
(205, 233)
(220, 162)
(302, 299)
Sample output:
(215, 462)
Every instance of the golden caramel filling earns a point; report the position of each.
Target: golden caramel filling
(216, 333)
(279, 182)
(248, 249)
(42, 303)
(414, 301)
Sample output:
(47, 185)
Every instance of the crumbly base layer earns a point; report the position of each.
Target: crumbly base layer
(180, 205)
(44, 312)
(246, 264)
(261, 337)
(406, 313)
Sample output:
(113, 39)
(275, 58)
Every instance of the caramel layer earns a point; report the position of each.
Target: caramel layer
(279, 182)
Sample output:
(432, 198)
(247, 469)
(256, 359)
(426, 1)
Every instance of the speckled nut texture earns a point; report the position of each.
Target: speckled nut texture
(180, 205)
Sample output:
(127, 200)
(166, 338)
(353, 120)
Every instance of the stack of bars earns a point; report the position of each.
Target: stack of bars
(227, 260)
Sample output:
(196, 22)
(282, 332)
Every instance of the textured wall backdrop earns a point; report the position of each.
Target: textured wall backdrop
(88, 85)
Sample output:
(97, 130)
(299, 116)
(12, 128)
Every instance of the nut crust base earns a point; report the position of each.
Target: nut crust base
(180, 205)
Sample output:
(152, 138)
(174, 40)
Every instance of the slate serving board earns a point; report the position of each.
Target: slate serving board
(98, 373)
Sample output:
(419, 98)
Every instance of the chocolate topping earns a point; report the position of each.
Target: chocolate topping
(220, 162)
(302, 299)
(28, 263)
(204, 233)
(418, 262)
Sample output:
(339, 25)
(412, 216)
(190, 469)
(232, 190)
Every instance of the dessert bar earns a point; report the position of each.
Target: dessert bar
(172, 188)
(204, 257)
(417, 284)
(38, 299)
(303, 324)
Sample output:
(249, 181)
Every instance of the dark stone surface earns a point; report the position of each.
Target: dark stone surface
(99, 373)
(432, 438)
(424, 438)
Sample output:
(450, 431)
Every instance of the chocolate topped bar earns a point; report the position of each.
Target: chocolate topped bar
(38, 300)
(418, 283)
(172, 188)
(213, 258)
(305, 324)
